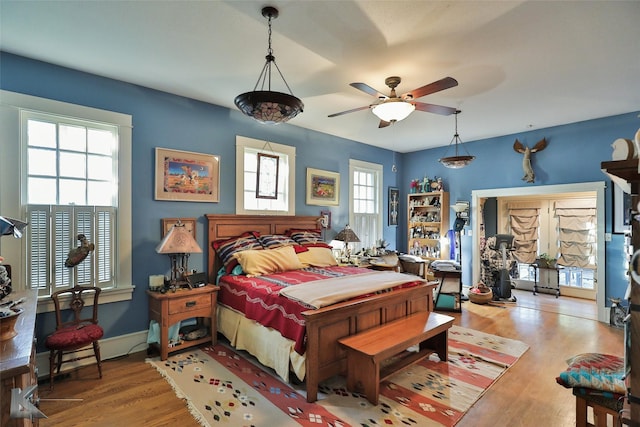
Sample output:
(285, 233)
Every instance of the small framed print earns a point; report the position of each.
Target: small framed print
(394, 202)
(267, 176)
(621, 210)
(189, 225)
(323, 187)
(183, 176)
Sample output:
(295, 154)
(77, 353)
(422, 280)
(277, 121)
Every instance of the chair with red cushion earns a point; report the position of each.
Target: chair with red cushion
(75, 331)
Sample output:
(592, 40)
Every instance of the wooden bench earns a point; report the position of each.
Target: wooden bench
(366, 350)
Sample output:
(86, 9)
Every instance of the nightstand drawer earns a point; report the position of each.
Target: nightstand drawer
(189, 303)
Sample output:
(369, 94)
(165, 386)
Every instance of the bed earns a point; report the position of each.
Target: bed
(313, 355)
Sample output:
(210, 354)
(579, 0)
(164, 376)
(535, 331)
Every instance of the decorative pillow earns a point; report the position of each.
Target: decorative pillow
(595, 371)
(317, 257)
(273, 241)
(308, 238)
(257, 263)
(226, 248)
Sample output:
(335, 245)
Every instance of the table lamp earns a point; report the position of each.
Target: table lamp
(347, 236)
(178, 243)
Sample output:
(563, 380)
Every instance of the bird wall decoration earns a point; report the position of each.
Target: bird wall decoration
(529, 176)
(77, 255)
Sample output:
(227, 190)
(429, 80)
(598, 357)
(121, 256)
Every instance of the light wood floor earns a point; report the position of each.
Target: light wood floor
(132, 393)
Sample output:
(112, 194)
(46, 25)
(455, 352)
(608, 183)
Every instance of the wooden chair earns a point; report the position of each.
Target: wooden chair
(76, 334)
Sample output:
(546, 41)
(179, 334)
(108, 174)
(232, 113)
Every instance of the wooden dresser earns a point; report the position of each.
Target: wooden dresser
(17, 358)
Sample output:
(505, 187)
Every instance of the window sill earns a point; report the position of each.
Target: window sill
(45, 304)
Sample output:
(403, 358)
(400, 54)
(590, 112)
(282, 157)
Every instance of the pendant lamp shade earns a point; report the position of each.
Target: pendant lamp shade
(457, 161)
(264, 105)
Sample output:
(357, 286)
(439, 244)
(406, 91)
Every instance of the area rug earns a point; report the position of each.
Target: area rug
(224, 387)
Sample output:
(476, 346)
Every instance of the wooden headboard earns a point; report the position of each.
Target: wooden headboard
(222, 226)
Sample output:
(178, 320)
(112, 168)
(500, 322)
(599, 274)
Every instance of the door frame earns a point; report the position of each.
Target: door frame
(597, 186)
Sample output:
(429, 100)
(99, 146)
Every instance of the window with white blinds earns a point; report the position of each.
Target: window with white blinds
(71, 190)
(366, 202)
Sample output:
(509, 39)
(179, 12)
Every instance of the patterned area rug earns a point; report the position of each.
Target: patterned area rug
(223, 387)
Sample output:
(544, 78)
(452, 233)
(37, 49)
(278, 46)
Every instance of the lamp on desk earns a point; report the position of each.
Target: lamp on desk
(178, 243)
(347, 236)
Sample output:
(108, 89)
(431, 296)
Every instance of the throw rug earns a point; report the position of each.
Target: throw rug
(224, 387)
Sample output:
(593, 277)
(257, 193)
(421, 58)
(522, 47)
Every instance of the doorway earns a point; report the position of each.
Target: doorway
(597, 188)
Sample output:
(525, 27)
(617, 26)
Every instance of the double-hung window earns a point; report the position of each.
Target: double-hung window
(75, 180)
(71, 192)
(366, 202)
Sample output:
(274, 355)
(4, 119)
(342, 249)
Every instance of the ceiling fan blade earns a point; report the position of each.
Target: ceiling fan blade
(368, 89)
(383, 124)
(353, 110)
(442, 84)
(433, 108)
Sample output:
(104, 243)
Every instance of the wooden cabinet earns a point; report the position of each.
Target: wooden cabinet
(427, 224)
(170, 308)
(17, 359)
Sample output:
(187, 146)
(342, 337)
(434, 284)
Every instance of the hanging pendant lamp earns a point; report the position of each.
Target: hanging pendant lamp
(457, 161)
(265, 105)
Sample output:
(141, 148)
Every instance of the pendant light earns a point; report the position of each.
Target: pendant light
(457, 161)
(265, 105)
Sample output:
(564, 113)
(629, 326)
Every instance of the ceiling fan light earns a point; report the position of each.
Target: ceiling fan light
(393, 110)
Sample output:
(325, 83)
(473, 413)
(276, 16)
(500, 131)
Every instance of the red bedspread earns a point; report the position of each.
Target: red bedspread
(258, 298)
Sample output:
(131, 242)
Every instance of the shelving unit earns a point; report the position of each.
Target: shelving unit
(428, 221)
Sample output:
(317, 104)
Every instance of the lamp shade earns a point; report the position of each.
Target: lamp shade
(393, 110)
(178, 241)
(347, 235)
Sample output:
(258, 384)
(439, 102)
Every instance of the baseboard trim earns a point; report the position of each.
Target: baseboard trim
(110, 348)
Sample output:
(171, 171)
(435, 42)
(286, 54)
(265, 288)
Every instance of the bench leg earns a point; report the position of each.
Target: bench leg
(581, 412)
(437, 343)
(363, 373)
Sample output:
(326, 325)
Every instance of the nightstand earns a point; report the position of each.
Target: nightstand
(169, 308)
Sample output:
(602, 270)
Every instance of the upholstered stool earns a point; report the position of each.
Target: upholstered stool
(606, 408)
(597, 383)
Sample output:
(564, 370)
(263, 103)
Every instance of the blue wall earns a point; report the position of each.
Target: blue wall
(573, 155)
(164, 120)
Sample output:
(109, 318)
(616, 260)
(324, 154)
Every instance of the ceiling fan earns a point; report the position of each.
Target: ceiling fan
(393, 108)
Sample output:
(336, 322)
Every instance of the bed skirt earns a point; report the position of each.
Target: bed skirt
(266, 344)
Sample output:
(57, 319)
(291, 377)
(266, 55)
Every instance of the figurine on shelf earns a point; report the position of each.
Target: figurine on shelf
(437, 184)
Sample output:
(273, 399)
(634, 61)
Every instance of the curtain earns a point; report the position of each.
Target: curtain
(524, 222)
(577, 232)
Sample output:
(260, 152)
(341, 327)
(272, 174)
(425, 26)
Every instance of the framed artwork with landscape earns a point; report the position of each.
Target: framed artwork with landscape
(323, 187)
(186, 176)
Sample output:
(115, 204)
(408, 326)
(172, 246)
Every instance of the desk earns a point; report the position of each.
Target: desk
(17, 358)
(450, 283)
(170, 308)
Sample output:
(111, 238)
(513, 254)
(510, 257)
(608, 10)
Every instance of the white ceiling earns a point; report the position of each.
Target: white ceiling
(520, 65)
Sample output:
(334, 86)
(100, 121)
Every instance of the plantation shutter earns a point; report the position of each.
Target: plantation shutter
(577, 232)
(38, 248)
(524, 221)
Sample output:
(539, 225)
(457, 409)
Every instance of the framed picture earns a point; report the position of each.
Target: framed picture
(167, 223)
(394, 203)
(187, 177)
(267, 176)
(323, 187)
(621, 210)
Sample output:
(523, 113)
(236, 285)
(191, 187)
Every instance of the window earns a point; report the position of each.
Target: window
(74, 179)
(247, 150)
(366, 201)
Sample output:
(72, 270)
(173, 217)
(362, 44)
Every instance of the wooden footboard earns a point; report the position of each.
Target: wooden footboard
(324, 356)
(325, 326)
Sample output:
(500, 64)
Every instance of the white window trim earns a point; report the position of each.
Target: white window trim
(360, 164)
(241, 143)
(14, 250)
